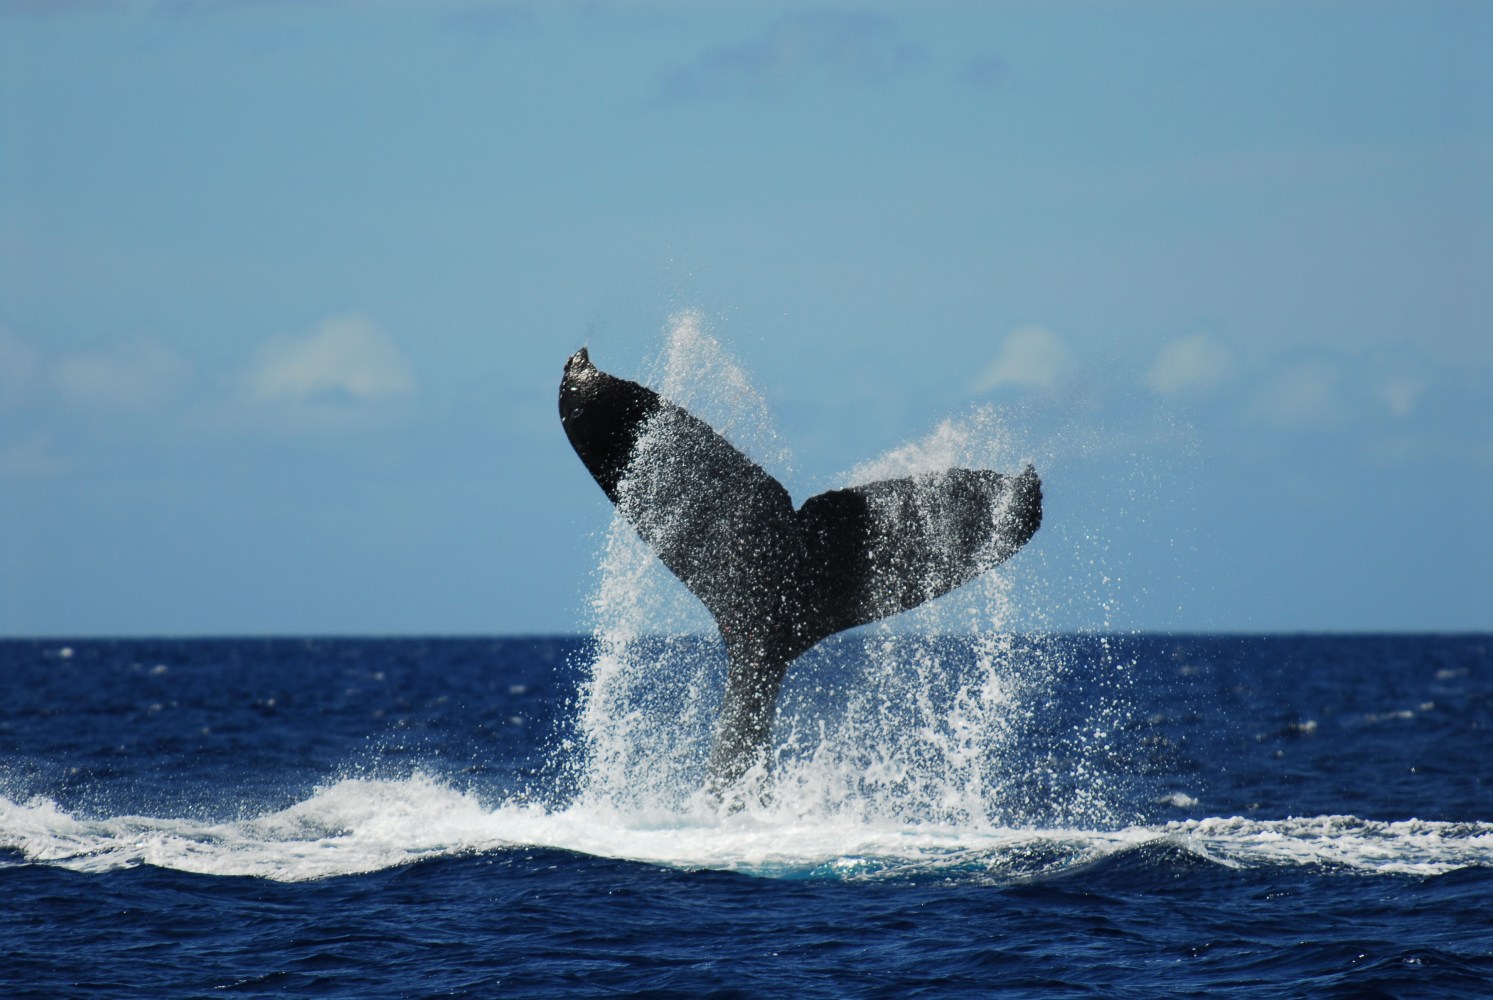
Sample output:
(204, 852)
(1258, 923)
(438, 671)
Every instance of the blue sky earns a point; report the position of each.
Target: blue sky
(286, 289)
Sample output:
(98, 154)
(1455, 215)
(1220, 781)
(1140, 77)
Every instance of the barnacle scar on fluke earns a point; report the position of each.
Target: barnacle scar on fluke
(777, 579)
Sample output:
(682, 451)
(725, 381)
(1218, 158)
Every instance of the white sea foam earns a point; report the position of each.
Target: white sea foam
(1407, 847)
(348, 827)
(357, 826)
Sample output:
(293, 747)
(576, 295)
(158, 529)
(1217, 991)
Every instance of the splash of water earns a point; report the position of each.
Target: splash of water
(942, 715)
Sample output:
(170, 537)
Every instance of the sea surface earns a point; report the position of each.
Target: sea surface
(1014, 815)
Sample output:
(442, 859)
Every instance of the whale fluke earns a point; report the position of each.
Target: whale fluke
(777, 579)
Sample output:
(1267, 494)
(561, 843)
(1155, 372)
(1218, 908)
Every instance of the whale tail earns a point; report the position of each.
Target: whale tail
(777, 579)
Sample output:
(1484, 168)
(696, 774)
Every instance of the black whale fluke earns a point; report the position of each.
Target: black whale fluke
(778, 580)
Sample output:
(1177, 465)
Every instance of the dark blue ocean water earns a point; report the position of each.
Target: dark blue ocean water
(1059, 816)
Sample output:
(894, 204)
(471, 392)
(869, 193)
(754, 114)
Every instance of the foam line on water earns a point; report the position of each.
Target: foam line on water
(357, 826)
(351, 826)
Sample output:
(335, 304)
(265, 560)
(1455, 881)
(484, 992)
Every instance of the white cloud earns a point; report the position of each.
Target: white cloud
(1401, 392)
(1032, 356)
(1304, 395)
(343, 357)
(844, 45)
(131, 376)
(1192, 364)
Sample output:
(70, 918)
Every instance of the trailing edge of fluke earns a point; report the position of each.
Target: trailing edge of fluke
(776, 579)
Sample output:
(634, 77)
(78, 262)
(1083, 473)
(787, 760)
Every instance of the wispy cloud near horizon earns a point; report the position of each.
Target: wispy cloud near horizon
(345, 357)
(1032, 357)
(1191, 364)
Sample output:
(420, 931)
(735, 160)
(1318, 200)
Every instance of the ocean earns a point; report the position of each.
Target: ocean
(948, 815)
